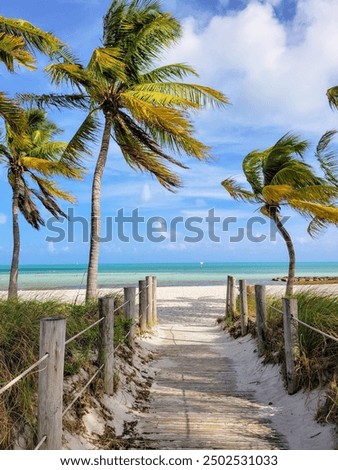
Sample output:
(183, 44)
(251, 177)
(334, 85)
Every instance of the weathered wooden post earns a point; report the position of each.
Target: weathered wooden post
(50, 388)
(130, 311)
(154, 300)
(149, 300)
(243, 295)
(231, 297)
(291, 342)
(260, 298)
(142, 304)
(106, 342)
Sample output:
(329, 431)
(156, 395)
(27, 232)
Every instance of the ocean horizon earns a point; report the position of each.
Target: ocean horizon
(73, 276)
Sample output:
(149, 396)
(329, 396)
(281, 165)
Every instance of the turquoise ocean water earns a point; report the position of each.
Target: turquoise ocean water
(111, 275)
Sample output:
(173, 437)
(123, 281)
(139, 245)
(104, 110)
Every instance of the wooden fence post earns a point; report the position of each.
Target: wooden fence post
(106, 342)
(291, 342)
(231, 297)
(50, 388)
(130, 311)
(154, 300)
(142, 304)
(149, 301)
(260, 297)
(243, 295)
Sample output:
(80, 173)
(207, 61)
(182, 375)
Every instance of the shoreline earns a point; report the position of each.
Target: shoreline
(180, 292)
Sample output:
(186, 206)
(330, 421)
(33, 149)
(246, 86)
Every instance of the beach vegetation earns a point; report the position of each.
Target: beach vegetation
(19, 349)
(279, 177)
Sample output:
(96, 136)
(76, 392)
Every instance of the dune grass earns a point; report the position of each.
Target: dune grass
(19, 348)
(318, 362)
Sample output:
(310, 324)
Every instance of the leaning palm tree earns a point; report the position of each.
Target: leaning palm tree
(33, 158)
(279, 177)
(144, 108)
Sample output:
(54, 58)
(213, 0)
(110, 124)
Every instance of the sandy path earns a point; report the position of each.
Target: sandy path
(195, 403)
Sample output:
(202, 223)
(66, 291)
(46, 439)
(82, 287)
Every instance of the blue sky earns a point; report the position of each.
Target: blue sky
(273, 59)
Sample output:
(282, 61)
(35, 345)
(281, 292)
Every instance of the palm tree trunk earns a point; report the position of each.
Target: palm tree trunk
(292, 255)
(95, 221)
(13, 277)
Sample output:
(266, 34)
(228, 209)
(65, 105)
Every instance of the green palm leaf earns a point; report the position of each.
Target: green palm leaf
(327, 157)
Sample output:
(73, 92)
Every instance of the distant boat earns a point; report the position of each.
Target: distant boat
(201, 264)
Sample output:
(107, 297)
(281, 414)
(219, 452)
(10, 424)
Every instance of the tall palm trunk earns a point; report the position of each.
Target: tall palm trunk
(13, 277)
(95, 221)
(292, 255)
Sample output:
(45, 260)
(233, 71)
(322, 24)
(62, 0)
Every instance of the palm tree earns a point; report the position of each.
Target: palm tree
(32, 159)
(279, 177)
(144, 108)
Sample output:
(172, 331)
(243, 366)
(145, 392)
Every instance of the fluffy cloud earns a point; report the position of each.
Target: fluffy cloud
(274, 73)
(3, 219)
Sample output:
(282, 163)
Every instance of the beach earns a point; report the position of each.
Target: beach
(174, 294)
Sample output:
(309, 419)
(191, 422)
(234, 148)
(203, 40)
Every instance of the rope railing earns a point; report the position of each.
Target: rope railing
(314, 329)
(40, 443)
(84, 331)
(23, 374)
(83, 389)
(303, 323)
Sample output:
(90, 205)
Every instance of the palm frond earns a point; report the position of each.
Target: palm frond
(252, 168)
(275, 194)
(35, 38)
(53, 100)
(328, 157)
(167, 73)
(107, 61)
(12, 50)
(237, 192)
(70, 74)
(146, 140)
(50, 188)
(196, 96)
(332, 96)
(317, 227)
(141, 158)
(319, 211)
(11, 113)
(79, 145)
(28, 207)
(296, 173)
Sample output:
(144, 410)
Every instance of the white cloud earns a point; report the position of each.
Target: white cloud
(146, 193)
(3, 219)
(274, 73)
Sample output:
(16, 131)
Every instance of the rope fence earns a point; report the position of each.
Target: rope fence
(84, 331)
(81, 392)
(291, 321)
(52, 350)
(314, 329)
(23, 374)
